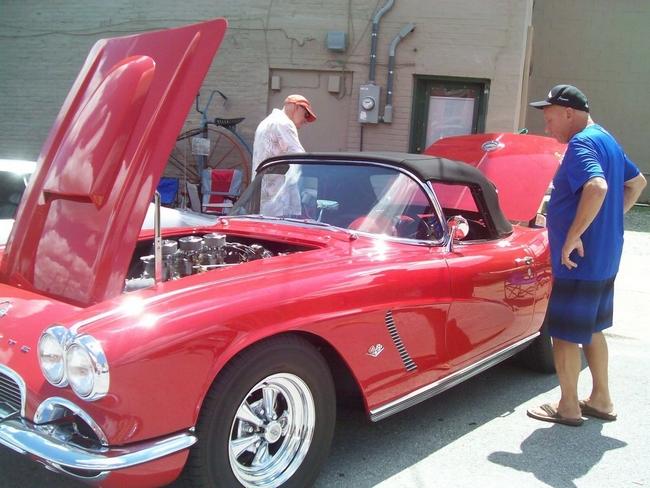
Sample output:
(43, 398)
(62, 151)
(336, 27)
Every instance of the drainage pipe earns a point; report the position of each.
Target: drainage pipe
(388, 109)
(373, 38)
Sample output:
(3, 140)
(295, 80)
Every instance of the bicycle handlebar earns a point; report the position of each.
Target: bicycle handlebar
(205, 109)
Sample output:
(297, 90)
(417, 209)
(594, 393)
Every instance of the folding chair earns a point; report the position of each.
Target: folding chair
(220, 189)
(168, 189)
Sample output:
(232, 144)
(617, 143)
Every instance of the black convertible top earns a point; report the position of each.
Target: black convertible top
(426, 168)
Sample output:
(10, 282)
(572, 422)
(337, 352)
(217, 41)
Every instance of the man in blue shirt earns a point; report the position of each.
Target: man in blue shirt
(594, 186)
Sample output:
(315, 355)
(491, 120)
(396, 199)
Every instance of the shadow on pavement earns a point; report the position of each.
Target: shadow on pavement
(381, 450)
(557, 456)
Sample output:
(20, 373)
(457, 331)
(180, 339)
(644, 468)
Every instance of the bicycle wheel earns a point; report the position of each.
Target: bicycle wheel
(228, 152)
(181, 160)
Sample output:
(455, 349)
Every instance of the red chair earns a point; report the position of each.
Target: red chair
(220, 189)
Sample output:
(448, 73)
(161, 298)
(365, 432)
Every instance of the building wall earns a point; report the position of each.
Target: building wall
(600, 46)
(43, 45)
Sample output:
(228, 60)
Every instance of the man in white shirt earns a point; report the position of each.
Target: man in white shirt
(278, 134)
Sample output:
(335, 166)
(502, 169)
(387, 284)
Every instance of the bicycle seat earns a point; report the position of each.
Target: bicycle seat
(228, 123)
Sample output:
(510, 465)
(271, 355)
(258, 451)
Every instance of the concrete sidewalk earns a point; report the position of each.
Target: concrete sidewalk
(632, 294)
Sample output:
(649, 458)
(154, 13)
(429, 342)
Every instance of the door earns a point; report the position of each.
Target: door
(493, 292)
(330, 95)
(444, 106)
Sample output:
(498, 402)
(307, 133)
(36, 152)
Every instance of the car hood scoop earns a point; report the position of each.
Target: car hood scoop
(81, 214)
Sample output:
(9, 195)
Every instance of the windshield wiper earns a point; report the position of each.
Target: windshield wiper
(306, 221)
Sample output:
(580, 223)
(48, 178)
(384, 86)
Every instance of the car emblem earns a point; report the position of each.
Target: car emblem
(375, 350)
(5, 305)
(490, 145)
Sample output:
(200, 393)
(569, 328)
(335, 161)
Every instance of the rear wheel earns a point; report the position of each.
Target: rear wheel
(267, 420)
(539, 355)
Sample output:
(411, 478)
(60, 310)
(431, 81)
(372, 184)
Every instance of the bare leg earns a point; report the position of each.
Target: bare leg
(597, 358)
(567, 363)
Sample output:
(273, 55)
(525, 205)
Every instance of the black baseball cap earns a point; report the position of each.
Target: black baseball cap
(565, 96)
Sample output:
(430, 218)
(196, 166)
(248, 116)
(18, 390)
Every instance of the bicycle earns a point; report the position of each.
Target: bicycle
(215, 143)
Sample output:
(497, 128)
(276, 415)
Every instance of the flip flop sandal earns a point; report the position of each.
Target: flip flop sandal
(548, 413)
(590, 411)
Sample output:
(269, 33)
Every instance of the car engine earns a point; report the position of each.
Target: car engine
(192, 254)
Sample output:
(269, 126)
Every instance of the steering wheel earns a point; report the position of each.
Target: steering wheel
(413, 227)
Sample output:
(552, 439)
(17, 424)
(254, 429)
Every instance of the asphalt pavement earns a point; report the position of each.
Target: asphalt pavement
(478, 434)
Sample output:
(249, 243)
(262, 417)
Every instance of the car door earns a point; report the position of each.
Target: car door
(493, 296)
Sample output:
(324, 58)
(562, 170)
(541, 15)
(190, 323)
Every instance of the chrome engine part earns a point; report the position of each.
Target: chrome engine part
(194, 254)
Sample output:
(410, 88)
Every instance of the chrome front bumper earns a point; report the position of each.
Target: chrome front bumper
(24, 437)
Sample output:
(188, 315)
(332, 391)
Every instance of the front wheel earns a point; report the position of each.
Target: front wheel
(267, 420)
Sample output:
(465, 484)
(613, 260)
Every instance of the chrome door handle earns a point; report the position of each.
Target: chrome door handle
(528, 261)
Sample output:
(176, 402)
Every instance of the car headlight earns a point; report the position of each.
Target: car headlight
(86, 368)
(51, 354)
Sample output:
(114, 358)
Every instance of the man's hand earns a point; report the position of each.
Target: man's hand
(568, 248)
(593, 195)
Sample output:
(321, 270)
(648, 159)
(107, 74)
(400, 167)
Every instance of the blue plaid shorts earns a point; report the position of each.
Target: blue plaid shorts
(579, 308)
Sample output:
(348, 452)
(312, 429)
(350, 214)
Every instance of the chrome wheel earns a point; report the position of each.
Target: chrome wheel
(268, 419)
(272, 431)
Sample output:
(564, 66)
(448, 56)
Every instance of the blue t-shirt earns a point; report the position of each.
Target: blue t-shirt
(590, 153)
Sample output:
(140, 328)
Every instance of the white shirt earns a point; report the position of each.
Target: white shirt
(276, 134)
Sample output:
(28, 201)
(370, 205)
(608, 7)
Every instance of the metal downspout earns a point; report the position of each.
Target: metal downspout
(388, 109)
(373, 38)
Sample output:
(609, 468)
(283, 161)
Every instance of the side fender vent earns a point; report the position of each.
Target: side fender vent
(409, 364)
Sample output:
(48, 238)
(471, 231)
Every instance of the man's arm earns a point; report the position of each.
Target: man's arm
(632, 190)
(288, 137)
(591, 199)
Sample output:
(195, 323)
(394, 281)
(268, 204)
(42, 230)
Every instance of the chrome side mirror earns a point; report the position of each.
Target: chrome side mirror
(458, 227)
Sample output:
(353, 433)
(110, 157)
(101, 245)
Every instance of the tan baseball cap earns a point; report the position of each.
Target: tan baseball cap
(303, 102)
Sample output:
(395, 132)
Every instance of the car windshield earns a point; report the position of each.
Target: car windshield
(368, 198)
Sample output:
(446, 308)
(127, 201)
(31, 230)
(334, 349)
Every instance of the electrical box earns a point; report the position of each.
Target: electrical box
(334, 84)
(336, 41)
(369, 104)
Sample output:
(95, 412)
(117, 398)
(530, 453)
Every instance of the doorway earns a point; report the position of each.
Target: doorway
(330, 94)
(445, 106)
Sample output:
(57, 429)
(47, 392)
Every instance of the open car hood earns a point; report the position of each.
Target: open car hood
(81, 214)
(520, 166)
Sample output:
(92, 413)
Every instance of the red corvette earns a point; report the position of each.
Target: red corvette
(128, 357)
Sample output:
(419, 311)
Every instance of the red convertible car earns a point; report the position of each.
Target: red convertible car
(127, 356)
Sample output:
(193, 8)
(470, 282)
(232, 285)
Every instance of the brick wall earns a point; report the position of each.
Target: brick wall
(43, 44)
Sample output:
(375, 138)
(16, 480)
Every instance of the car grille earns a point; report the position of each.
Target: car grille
(10, 394)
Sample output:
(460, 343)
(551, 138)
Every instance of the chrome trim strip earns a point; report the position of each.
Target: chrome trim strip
(92, 480)
(22, 436)
(443, 384)
(21, 386)
(47, 412)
